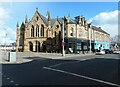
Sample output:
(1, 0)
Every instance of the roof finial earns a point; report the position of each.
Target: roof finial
(57, 18)
(69, 14)
(36, 9)
(48, 15)
(17, 24)
(26, 20)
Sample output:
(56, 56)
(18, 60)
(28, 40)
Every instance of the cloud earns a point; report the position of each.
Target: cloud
(4, 15)
(4, 29)
(108, 21)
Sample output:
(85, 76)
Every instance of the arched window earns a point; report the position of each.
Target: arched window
(37, 18)
(37, 31)
(57, 26)
(71, 32)
(32, 31)
(55, 34)
(42, 30)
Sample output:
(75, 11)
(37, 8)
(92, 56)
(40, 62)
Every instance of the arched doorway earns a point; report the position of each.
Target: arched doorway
(44, 46)
(37, 46)
(30, 46)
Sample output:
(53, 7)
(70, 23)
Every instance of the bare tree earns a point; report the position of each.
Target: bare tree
(115, 41)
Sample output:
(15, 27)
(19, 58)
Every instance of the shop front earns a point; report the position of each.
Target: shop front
(101, 45)
(74, 45)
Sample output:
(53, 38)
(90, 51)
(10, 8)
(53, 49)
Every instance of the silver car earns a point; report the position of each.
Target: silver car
(100, 52)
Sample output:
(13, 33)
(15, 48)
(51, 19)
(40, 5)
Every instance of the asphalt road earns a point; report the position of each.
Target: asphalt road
(91, 70)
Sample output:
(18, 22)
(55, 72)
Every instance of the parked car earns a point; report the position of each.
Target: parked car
(108, 51)
(116, 52)
(100, 52)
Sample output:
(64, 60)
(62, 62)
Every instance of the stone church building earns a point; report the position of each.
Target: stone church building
(39, 34)
(44, 34)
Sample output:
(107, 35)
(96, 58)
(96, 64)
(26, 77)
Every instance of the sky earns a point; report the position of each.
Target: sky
(102, 14)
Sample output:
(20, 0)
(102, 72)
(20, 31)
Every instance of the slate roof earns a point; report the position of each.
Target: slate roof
(70, 21)
(44, 19)
(99, 29)
(52, 21)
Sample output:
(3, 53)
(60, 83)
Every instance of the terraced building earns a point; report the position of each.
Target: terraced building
(44, 34)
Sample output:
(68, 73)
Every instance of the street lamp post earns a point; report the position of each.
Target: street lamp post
(5, 43)
(90, 36)
(76, 39)
(37, 39)
(63, 53)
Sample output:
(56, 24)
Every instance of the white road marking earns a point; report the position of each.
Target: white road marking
(81, 76)
(63, 63)
(11, 81)
(70, 62)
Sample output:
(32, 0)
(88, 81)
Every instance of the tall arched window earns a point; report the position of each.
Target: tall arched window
(71, 32)
(55, 36)
(37, 31)
(32, 31)
(42, 30)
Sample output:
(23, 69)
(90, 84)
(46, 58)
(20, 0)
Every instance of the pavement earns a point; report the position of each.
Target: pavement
(22, 57)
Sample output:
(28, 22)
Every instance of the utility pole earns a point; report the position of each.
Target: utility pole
(63, 43)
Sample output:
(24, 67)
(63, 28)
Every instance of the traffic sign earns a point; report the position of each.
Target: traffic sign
(63, 44)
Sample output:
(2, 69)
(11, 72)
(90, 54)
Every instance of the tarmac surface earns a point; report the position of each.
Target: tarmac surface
(95, 70)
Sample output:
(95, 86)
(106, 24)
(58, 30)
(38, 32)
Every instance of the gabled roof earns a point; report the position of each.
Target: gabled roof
(60, 20)
(53, 20)
(99, 29)
(42, 17)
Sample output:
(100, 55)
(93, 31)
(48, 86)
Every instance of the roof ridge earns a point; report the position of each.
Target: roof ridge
(98, 28)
